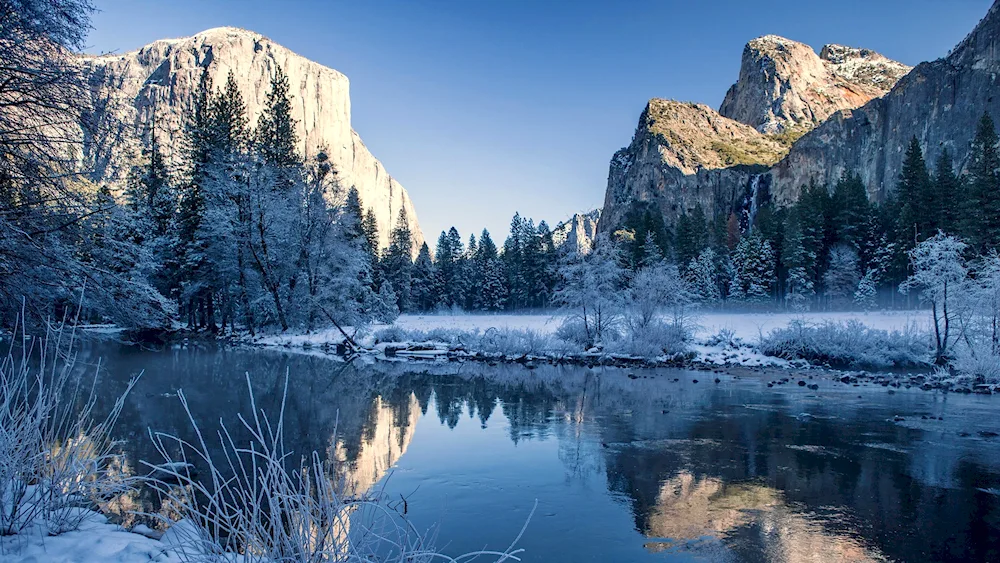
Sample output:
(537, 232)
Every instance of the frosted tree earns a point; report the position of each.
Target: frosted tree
(980, 327)
(939, 273)
(656, 290)
(493, 291)
(424, 290)
(385, 310)
(702, 277)
(842, 274)
(397, 263)
(591, 292)
(800, 288)
(753, 270)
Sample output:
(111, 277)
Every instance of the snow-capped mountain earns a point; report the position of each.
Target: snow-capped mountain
(164, 75)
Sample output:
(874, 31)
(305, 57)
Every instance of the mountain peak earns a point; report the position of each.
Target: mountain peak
(785, 85)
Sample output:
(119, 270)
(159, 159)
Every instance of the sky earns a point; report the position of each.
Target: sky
(481, 108)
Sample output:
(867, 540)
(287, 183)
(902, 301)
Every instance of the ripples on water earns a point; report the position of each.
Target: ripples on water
(623, 470)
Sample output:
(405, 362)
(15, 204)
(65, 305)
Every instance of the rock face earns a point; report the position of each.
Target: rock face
(683, 155)
(163, 76)
(577, 233)
(784, 85)
(939, 103)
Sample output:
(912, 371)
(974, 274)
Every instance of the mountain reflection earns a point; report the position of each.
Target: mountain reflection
(733, 472)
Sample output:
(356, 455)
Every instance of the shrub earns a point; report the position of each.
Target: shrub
(391, 334)
(848, 344)
(655, 339)
(54, 456)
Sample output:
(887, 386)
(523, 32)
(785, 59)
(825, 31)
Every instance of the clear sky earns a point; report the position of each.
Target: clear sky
(481, 108)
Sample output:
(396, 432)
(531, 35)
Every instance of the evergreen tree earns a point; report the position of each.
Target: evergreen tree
(651, 253)
(692, 235)
(850, 209)
(424, 291)
(983, 202)
(493, 291)
(198, 285)
(753, 265)
(702, 277)
(276, 138)
(513, 261)
(948, 193)
(913, 189)
(398, 262)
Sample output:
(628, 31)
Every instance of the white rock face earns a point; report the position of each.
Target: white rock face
(784, 84)
(165, 74)
(577, 232)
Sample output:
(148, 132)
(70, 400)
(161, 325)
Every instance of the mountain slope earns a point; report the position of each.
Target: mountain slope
(165, 74)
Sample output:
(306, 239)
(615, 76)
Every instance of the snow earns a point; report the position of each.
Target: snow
(97, 541)
(745, 328)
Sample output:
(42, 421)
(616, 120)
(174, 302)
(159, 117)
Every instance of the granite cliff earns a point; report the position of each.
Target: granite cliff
(685, 154)
(165, 74)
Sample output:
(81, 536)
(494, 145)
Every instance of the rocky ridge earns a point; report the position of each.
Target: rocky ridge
(162, 77)
(577, 233)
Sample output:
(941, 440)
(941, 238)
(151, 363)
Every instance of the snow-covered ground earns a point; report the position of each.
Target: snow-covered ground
(744, 329)
(97, 541)
(746, 326)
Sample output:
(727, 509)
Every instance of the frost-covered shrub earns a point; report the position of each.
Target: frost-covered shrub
(848, 344)
(55, 456)
(574, 331)
(726, 337)
(981, 367)
(655, 339)
(391, 334)
(512, 342)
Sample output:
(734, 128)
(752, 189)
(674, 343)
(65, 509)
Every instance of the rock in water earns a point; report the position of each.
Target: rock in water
(163, 77)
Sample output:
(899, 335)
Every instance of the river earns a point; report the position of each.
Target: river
(653, 467)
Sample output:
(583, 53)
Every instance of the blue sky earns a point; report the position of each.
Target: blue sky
(481, 108)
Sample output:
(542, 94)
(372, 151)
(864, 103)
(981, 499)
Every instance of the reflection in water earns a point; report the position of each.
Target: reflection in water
(660, 469)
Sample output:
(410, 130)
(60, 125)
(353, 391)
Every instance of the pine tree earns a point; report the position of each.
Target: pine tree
(753, 264)
(398, 262)
(513, 261)
(947, 193)
(913, 189)
(701, 275)
(651, 253)
(983, 201)
(424, 291)
(493, 291)
(800, 262)
(276, 138)
(198, 285)
(850, 209)
(455, 284)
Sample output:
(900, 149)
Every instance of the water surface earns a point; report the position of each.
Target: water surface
(622, 469)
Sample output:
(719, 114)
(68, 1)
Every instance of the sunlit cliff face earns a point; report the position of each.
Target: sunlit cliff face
(694, 512)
